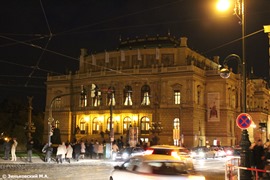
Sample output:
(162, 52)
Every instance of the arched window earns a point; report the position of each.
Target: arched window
(128, 96)
(83, 125)
(96, 126)
(111, 96)
(108, 123)
(97, 97)
(145, 94)
(145, 121)
(83, 99)
(57, 123)
(126, 124)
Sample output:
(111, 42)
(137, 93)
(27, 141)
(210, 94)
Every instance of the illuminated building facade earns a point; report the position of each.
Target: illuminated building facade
(154, 79)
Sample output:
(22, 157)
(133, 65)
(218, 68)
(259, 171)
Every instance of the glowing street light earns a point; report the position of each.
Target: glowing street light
(223, 5)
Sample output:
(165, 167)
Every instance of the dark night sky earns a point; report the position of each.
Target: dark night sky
(28, 52)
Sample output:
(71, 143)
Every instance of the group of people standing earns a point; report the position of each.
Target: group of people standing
(260, 156)
(78, 150)
(10, 146)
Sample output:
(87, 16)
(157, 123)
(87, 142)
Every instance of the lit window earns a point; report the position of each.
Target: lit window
(83, 99)
(127, 96)
(108, 123)
(97, 97)
(111, 96)
(176, 123)
(145, 125)
(145, 95)
(177, 97)
(126, 124)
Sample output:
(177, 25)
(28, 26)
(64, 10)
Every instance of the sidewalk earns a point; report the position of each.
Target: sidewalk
(36, 158)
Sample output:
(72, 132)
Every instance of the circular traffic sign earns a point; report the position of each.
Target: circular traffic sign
(243, 120)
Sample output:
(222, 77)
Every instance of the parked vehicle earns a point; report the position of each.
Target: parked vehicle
(127, 152)
(158, 167)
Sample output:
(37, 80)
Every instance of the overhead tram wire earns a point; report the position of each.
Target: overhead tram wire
(46, 46)
(118, 17)
(231, 42)
(30, 67)
(66, 56)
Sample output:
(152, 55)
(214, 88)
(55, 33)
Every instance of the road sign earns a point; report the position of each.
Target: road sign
(243, 121)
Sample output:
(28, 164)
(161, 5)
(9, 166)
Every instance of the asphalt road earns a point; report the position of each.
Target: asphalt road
(87, 169)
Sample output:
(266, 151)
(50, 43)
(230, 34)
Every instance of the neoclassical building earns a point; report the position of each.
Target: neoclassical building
(154, 80)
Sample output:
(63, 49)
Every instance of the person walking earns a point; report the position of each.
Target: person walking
(69, 153)
(82, 149)
(77, 150)
(13, 150)
(48, 150)
(91, 148)
(259, 157)
(29, 147)
(6, 147)
(61, 152)
(96, 147)
(100, 151)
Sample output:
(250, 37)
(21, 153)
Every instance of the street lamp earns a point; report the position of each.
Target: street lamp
(244, 142)
(51, 119)
(267, 30)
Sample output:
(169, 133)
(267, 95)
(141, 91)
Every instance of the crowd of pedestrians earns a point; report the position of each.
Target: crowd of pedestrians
(260, 157)
(66, 151)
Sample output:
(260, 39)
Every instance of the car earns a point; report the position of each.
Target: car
(202, 152)
(181, 153)
(127, 152)
(168, 150)
(228, 150)
(219, 151)
(154, 166)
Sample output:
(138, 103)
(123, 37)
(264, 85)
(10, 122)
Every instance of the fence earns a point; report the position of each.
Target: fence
(232, 170)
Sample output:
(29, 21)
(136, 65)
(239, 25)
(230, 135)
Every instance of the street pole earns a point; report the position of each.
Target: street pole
(244, 142)
(29, 136)
(267, 30)
(50, 118)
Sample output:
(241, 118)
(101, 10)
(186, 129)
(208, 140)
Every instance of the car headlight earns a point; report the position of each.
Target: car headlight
(201, 154)
(229, 152)
(125, 155)
(196, 177)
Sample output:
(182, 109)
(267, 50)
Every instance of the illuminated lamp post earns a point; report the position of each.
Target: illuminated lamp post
(267, 30)
(244, 142)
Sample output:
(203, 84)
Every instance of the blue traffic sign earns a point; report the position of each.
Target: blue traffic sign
(243, 120)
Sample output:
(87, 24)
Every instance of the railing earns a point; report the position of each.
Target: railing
(232, 170)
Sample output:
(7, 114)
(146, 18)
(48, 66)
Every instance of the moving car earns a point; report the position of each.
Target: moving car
(181, 153)
(202, 152)
(127, 152)
(168, 150)
(154, 167)
(228, 150)
(219, 151)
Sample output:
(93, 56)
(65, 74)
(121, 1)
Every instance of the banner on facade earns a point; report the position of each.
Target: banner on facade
(213, 107)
